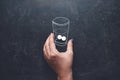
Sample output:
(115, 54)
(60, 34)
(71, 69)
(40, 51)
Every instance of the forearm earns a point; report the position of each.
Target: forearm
(66, 76)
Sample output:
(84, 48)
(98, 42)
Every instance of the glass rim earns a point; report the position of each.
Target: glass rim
(61, 24)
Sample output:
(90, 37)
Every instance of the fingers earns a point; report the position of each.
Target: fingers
(70, 46)
(49, 47)
(46, 47)
(52, 44)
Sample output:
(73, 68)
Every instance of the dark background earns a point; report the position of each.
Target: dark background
(25, 25)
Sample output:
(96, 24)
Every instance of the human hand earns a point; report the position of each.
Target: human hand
(60, 62)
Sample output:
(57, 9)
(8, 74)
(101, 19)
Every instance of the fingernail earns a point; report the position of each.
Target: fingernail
(50, 33)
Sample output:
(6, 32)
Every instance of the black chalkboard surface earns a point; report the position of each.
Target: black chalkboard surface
(25, 25)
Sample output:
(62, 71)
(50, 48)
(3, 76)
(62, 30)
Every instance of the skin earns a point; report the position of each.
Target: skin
(60, 62)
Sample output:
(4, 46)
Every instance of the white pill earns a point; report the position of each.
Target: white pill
(63, 38)
(59, 37)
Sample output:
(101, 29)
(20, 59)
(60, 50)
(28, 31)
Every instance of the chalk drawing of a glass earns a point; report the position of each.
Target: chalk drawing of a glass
(60, 27)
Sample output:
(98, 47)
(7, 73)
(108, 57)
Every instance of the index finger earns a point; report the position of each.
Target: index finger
(52, 44)
(46, 46)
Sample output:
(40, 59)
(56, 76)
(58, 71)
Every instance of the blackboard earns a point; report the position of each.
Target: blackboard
(25, 25)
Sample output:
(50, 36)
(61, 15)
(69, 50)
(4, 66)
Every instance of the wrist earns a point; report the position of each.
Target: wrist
(65, 76)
